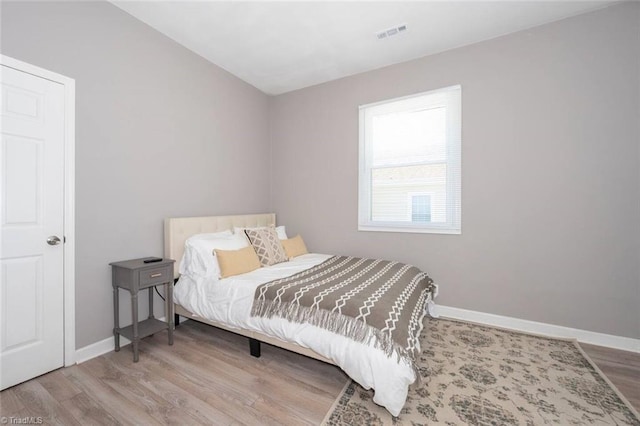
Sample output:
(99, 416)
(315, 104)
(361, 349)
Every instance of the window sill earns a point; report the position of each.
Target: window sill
(407, 229)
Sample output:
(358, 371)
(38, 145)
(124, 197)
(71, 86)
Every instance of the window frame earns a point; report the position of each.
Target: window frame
(451, 98)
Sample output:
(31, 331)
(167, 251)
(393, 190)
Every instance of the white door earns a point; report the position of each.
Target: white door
(32, 211)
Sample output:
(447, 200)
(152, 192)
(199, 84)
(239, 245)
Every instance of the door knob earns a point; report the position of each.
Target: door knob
(53, 240)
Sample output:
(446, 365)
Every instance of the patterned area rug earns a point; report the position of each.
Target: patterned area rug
(479, 375)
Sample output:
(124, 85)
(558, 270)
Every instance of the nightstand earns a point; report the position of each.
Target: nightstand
(135, 275)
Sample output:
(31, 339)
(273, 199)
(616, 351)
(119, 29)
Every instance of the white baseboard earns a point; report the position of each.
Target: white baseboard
(516, 324)
(99, 348)
(105, 346)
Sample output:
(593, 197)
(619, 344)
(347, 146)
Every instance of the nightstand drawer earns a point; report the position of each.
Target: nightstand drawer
(156, 276)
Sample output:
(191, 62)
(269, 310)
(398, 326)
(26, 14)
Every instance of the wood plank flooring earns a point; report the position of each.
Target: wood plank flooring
(622, 368)
(208, 377)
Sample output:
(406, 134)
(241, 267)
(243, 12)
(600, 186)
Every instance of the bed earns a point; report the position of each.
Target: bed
(228, 304)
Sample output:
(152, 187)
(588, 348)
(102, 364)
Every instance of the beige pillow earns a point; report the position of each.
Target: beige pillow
(236, 262)
(294, 246)
(267, 245)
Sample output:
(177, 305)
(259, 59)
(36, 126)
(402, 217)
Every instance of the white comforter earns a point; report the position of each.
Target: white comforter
(229, 301)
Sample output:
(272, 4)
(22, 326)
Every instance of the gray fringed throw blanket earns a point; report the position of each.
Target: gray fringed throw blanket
(371, 301)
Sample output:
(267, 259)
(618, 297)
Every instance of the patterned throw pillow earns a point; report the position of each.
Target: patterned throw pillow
(267, 245)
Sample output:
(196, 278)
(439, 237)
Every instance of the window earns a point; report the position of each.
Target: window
(410, 155)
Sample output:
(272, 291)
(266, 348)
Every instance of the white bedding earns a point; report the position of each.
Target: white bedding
(229, 301)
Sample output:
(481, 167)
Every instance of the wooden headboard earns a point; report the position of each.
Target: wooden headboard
(178, 229)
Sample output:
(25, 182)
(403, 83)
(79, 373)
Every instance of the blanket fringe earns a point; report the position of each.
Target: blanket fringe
(340, 324)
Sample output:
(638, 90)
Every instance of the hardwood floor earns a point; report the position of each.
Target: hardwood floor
(208, 377)
(622, 368)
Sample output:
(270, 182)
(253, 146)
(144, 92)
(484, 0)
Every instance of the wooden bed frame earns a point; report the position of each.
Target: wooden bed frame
(176, 232)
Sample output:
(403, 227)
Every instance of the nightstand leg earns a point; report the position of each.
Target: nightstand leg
(116, 319)
(169, 296)
(134, 319)
(151, 302)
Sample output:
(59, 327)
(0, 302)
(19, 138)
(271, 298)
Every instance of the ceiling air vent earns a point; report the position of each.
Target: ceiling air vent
(390, 32)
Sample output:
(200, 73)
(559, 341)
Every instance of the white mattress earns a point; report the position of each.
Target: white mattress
(229, 301)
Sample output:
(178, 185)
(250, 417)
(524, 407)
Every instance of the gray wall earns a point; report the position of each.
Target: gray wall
(551, 183)
(159, 132)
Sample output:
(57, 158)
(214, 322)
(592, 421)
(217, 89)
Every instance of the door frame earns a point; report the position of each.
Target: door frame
(69, 85)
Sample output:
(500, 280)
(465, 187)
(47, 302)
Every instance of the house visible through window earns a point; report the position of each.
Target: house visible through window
(410, 155)
(420, 208)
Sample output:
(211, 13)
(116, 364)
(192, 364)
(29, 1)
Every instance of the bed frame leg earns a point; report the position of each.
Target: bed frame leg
(176, 320)
(254, 347)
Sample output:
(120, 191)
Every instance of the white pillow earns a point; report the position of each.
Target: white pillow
(190, 261)
(198, 259)
(210, 236)
(280, 230)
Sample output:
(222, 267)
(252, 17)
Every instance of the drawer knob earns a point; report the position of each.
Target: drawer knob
(159, 274)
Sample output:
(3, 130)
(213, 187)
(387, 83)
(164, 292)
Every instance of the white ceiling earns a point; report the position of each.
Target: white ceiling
(282, 46)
